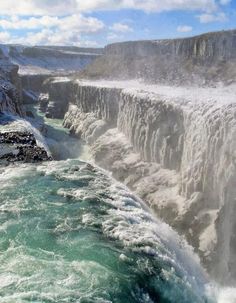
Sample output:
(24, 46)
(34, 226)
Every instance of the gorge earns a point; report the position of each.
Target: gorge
(170, 140)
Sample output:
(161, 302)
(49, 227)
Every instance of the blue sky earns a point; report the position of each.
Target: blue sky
(99, 22)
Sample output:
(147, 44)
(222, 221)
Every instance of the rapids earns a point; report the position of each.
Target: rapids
(71, 233)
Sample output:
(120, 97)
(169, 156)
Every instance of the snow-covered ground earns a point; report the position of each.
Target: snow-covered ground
(225, 94)
(42, 60)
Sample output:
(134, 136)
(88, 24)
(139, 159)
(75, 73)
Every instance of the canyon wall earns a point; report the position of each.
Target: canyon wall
(19, 139)
(202, 60)
(56, 105)
(213, 46)
(175, 148)
(37, 64)
(10, 86)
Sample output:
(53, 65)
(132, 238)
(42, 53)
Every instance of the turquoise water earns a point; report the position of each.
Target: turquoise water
(70, 233)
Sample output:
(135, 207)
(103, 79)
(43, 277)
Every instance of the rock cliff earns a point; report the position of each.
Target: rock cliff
(10, 86)
(202, 60)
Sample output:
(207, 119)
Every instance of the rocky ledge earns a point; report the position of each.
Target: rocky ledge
(21, 146)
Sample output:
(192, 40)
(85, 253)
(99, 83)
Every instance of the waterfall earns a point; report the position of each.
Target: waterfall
(175, 147)
(71, 232)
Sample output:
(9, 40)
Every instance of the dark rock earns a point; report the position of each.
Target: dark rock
(54, 110)
(17, 137)
(24, 148)
(43, 102)
(29, 97)
(29, 114)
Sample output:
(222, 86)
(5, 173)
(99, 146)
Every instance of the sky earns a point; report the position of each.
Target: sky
(95, 23)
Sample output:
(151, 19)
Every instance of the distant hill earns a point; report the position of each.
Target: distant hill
(49, 59)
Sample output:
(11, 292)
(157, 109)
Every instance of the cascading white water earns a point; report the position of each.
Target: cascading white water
(71, 233)
(176, 148)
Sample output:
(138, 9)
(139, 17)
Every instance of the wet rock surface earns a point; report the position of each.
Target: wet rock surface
(43, 102)
(18, 146)
(17, 137)
(58, 97)
(54, 111)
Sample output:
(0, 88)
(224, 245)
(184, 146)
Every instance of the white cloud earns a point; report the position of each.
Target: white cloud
(45, 36)
(147, 5)
(50, 37)
(58, 7)
(31, 23)
(81, 24)
(4, 37)
(37, 7)
(121, 27)
(52, 30)
(73, 22)
(184, 28)
(208, 18)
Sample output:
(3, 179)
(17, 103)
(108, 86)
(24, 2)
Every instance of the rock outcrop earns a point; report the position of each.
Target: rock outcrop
(19, 140)
(10, 87)
(33, 82)
(20, 147)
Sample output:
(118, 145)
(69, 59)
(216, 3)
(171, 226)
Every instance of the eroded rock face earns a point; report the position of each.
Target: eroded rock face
(33, 82)
(58, 97)
(10, 95)
(43, 102)
(176, 149)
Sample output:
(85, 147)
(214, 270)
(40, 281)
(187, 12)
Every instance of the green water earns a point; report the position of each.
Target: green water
(69, 233)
